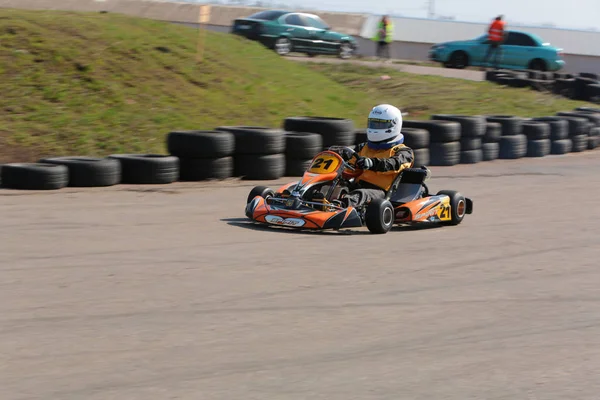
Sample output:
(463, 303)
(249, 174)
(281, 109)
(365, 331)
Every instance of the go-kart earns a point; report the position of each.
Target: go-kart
(313, 202)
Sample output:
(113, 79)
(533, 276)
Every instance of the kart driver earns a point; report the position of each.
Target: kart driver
(381, 158)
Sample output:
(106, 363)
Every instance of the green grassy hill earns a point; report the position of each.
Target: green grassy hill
(95, 84)
(101, 83)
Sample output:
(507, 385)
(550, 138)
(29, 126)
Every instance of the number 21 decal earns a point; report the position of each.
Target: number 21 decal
(320, 163)
(445, 212)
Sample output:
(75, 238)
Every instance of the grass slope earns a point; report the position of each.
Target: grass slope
(95, 84)
(423, 95)
(101, 83)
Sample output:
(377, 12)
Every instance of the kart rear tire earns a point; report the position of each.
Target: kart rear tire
(379, 216)
(458, 206)
(262, 191)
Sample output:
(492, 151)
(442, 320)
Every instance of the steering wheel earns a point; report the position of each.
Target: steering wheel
(343, 151)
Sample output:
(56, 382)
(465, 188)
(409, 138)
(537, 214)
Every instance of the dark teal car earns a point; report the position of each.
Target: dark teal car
(287, 32)
(520, 50)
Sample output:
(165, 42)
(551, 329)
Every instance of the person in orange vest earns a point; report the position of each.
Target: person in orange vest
(495, 38)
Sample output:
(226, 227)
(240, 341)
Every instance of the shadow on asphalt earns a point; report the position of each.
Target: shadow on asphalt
(246, 224)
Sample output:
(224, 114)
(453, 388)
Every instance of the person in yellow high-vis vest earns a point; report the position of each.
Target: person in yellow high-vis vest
(384, 36)
(381, 158)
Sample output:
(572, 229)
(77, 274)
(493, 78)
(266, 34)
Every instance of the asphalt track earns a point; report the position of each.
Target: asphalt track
(168, 293)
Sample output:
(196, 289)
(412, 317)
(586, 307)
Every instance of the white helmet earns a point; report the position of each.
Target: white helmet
(384, 124)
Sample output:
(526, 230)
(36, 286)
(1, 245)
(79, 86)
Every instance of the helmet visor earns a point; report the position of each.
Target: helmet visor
(375, 123)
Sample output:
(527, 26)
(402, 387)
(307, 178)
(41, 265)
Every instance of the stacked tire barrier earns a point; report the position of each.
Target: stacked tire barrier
(559, 134)
(444, 140)
(538, 138)
(473, 129)
(583, 86)
(490, 146)
(262, 153)
(419, 141)
(334, 131)
(300, 149)
(259, 152)
(513, 144)
(203, 155)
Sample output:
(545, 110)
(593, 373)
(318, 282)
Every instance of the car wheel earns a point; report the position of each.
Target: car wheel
(537, 65)
(379, 216)
(283, 46)
(458, 206)
(346, 51)
(459, 60)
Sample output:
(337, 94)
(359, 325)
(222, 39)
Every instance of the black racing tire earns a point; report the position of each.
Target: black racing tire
(594, 118)
(577, 125)
(511, 125)
(536, 130)
(422, 157)
(444, 154)
(200, 144)
(256, 139)
(458, 206)
(513, 147)
(593, 142)
(595, 131)
(379, 216)
(471, 156)
(471, 126)
(295, 167)
(335, 131)
(580, 143)
(559, 127)
(34, 176)
(493, 132)
(360, 136)
(89, 171)
(538, 148)
(589, 75)
(470, 143)
(262, 191)
(588, 109)
(260, 167)
(302, 144)
(439, 131)
(562, 146)
(491, 151)
(147, 169)
(416, 138)
(203, 169)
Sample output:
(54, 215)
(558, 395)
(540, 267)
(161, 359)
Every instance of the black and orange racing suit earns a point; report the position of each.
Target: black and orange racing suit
(388, 161)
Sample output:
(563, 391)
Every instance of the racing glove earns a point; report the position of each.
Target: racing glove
(364, 163)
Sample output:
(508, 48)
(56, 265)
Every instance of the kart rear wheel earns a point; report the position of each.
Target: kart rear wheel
(262, 191)
(458, 206)
(379, 216)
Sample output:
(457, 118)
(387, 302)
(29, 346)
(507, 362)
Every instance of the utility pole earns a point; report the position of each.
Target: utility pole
(431, 13)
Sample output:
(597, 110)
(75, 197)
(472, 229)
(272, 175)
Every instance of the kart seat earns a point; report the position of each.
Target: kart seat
(411, 185)
(413, 175)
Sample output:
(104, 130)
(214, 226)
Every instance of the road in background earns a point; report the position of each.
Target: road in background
(164, 292)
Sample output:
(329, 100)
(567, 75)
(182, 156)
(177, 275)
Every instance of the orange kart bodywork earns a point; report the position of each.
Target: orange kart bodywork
(408, 200)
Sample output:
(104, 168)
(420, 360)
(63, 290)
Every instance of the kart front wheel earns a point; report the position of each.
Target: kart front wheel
(379, 216)
(458, 206)
(262, 191)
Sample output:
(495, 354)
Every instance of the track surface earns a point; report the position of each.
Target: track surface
(167, 293)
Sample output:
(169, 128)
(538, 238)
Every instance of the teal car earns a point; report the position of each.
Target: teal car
(287, 32)
(520, 50)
